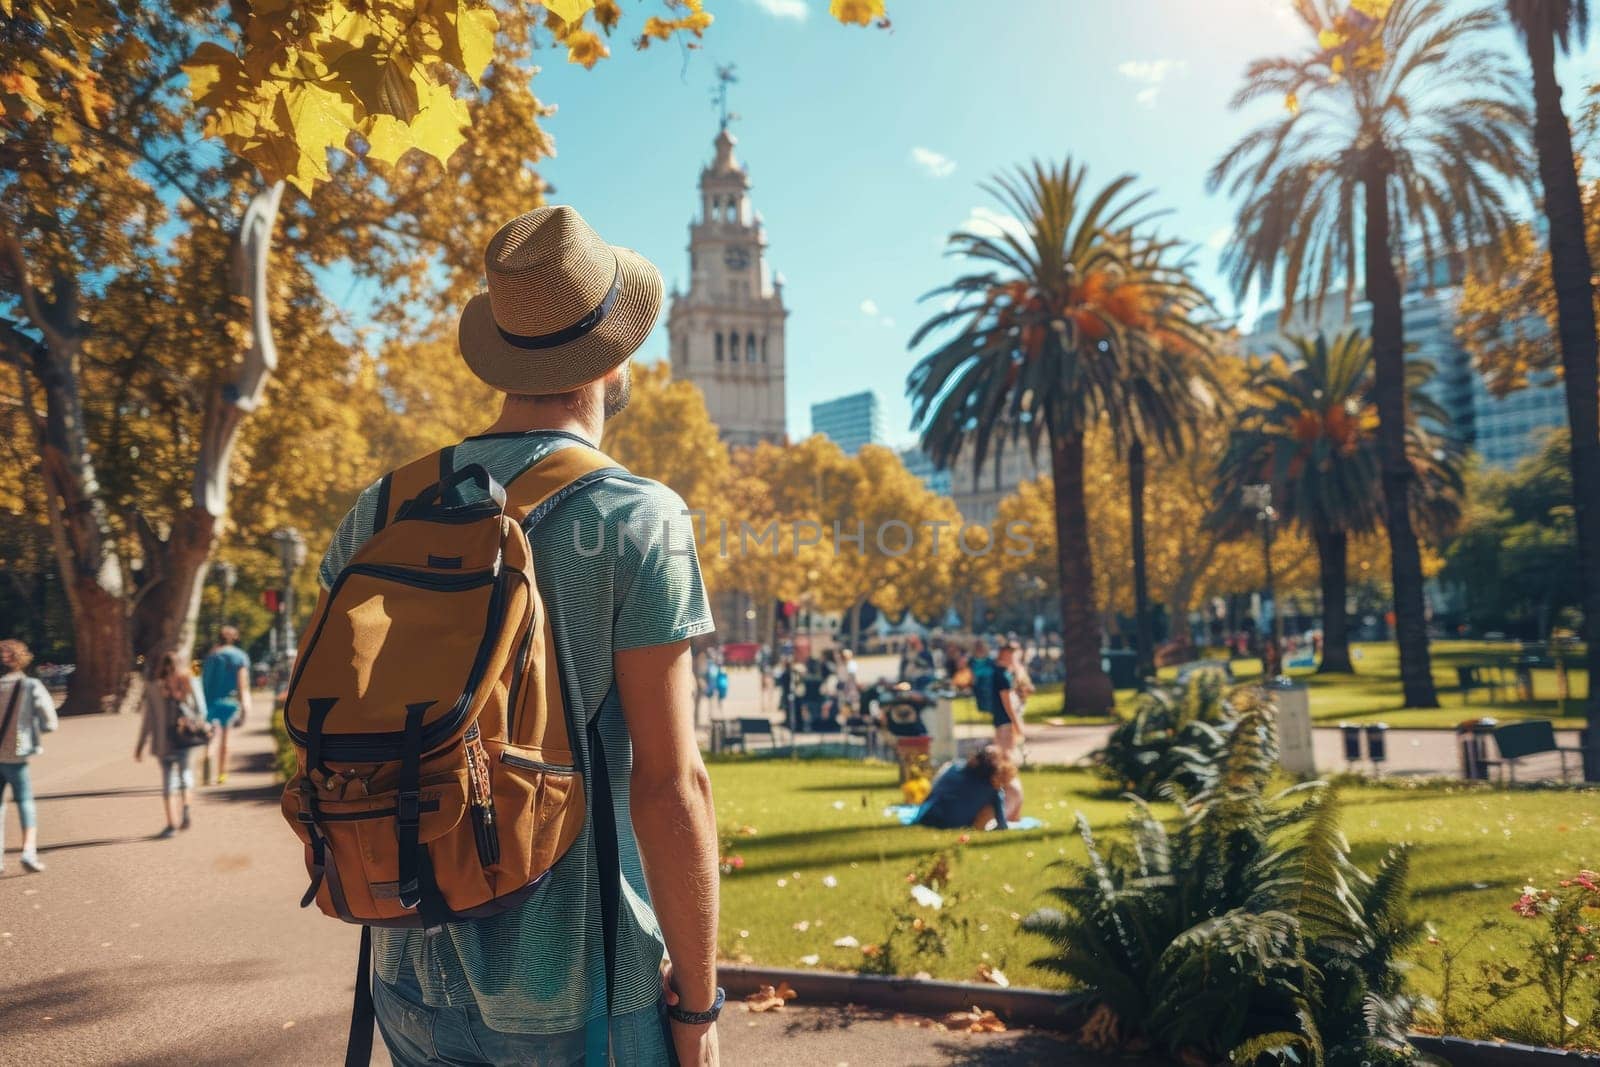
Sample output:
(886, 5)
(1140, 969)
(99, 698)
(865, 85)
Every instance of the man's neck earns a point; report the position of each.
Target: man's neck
(530, 417)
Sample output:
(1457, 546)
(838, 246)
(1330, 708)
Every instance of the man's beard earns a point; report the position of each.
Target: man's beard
(619, 391)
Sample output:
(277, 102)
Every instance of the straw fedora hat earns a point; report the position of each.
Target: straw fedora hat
(563, 307)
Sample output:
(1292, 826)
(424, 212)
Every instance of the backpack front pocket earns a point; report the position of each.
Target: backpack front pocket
(546, 799)
(362, 838)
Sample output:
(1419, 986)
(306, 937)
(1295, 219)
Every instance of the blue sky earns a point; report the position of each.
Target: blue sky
(866, 148)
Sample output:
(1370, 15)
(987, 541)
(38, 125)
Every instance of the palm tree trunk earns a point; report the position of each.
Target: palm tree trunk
(1572, 272)
(1388, 356)
(1333, 563)
(1144, 629)
(1087, 689)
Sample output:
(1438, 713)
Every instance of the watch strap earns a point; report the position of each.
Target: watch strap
(698, 1018)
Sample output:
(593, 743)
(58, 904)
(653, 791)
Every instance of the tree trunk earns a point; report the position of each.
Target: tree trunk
(1332, 559)
(86, 557)
(1087, 689)
(169, 604)
(1388, 356)
(1571, 270)
(1144, 630)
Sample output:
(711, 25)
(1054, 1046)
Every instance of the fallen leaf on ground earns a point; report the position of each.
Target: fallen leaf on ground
(768, 998)
(976, 1021)
(811, 960)
(993, 975)
(847, 941)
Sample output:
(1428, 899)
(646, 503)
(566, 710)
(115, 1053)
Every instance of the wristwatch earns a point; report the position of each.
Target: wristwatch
(697, 1018)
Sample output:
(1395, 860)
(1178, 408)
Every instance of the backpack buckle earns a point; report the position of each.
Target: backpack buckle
(408, 808)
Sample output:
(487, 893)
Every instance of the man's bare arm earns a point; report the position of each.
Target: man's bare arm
(673, 816)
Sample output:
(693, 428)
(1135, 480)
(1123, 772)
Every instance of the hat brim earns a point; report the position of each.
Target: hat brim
(542, 371)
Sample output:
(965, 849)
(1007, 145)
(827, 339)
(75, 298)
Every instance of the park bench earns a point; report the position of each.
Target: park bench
(1478, 676)
(745, 729)
(1519, 740)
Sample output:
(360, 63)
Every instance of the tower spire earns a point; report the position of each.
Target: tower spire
(719, 95)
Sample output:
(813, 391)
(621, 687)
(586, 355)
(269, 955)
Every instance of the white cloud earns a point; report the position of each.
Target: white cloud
(869, 307)
(987, 222)
(935, 163)
(784, 9)
(1219, 238)
(1151, 71)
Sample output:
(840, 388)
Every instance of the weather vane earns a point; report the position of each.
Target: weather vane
(719, 95)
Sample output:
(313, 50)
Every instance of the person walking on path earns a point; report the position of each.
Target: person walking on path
(225, 679)
(26, 711)
(174, 725)
(551, 980)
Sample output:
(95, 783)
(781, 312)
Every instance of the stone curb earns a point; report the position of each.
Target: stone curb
(1062, 1011)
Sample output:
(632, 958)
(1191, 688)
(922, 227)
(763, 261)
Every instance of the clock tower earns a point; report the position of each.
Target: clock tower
(726, 331)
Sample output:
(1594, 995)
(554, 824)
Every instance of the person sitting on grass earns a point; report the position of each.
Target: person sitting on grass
(972, 794)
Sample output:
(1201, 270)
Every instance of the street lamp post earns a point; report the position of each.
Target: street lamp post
(1259, 498)
(226, 574)
(291, 547)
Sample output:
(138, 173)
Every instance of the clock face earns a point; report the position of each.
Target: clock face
(736, 258)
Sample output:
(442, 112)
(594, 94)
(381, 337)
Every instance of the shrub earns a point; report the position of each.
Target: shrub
(1176, 735)
(1245, 934)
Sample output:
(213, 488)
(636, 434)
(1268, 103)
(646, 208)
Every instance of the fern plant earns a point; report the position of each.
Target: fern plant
(1243, 933)
(1175, 736)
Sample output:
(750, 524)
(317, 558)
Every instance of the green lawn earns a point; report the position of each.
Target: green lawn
(1373, 692)
(795, 824)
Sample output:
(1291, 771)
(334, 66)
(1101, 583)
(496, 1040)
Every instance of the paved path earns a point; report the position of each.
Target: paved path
(133, 951)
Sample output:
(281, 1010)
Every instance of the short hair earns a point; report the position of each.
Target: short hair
(14, 655)
(228, 635)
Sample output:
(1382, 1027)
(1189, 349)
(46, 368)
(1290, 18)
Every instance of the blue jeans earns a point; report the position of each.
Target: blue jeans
(421, 1036)
(15, 775)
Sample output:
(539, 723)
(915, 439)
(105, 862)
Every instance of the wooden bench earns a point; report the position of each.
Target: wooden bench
(1519, 740)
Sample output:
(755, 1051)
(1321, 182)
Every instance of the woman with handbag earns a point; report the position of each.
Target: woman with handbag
(174, 726)
(26, 711)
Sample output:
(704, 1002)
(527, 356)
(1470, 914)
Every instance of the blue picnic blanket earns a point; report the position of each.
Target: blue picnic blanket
(907, 814)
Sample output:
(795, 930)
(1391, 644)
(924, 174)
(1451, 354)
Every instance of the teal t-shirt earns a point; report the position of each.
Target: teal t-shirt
(540, 968)
(219, 675)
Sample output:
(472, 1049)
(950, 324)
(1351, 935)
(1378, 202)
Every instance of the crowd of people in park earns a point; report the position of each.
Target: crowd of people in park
(823, 692)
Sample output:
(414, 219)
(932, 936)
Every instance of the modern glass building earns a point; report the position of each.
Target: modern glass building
(850, 421)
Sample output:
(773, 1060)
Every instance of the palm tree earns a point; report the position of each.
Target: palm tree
(1164, 405)
(1401, 130)
(1545, 25)
(1051, 336)
(1310, 432)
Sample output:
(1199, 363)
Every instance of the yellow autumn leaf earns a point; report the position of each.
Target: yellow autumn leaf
(568, 11)
(207, 69)
(1292, 102)
(468, 38)
(586, 47)
(388, 139)
(437, 129)
(1330, 38)
(1337, 65)
(1376, 9)
(859, 12)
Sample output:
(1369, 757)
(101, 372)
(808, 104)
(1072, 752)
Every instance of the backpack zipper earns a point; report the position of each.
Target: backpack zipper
(513, 701)
(536, 765)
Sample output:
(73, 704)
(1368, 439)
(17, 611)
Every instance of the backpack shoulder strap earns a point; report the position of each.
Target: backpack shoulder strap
(535, 493)
(11, 706)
